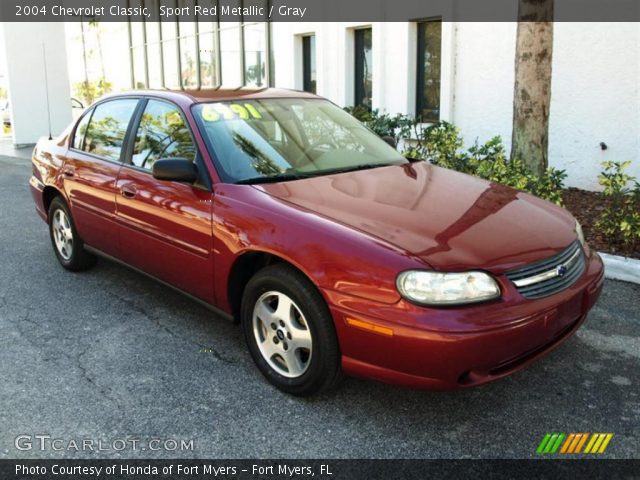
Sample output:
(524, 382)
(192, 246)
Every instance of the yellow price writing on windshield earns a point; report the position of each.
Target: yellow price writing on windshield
(217, 111)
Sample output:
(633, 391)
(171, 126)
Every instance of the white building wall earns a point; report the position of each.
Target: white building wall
(25, 64)
(595, 98)
(483, 81)
(595, 89)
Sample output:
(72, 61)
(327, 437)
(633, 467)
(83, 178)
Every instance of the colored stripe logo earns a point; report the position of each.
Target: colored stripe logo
(574, 443)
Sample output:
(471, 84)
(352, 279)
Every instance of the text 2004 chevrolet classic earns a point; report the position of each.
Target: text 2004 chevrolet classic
(334, 252)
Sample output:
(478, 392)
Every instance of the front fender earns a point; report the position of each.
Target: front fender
(334, 256)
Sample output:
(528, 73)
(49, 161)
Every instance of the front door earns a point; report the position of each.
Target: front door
(165, 227)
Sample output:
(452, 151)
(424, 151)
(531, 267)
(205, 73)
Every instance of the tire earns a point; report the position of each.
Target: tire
(67, 244)
(296, 351)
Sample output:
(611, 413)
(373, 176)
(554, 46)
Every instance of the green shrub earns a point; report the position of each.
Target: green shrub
(397, 126)
(620, 220)
(442, 144)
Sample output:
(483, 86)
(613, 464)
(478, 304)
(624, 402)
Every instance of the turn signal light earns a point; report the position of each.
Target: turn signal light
(372, 327)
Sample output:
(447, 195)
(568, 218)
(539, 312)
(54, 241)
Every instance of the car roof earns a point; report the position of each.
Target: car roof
(219, 94)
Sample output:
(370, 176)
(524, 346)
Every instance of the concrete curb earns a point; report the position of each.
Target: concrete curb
(621, 268)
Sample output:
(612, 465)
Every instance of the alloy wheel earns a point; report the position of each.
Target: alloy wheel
(62, 234)
(282, 334)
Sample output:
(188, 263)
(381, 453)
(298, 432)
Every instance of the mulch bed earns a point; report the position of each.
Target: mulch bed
(587, 208)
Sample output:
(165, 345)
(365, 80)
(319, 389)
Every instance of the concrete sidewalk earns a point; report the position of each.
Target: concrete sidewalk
(8, 150)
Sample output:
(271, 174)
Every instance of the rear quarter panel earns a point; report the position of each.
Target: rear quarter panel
(46, 162)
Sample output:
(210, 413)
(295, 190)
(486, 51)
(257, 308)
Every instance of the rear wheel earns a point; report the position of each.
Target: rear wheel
(67, 244)
(289, 331)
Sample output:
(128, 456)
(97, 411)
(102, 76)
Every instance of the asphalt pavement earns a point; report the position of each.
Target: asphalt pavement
(110, 356)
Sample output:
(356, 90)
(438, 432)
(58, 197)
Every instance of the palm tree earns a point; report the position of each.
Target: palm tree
(96, 25)
(532, 91)
(84, 54)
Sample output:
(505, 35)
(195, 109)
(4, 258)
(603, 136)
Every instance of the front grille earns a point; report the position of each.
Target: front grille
(550, 276)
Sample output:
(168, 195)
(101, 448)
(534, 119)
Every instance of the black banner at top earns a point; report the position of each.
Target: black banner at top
(319, 10)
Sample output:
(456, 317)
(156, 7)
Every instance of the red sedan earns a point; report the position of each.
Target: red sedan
(334, 252)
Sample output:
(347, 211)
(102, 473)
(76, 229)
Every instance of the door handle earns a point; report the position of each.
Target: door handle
(68, 171)
(128, 191)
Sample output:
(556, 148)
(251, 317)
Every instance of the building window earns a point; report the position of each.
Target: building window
(204, 53)
(208, 60)
(309, 63)
(231, 54)
(255, 54)
(189, 57)
(139, 73)
(364, 65)
(428, 81)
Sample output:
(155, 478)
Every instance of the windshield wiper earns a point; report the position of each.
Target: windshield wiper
(280, 177)
(353, 168)
(284, 177)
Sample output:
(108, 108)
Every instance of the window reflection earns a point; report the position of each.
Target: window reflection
(81, 130)
(364, 68)
(428, 93)
(309, 63)
(162, 134)
(107, 128)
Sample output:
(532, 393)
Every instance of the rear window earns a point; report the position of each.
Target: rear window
(81, 130)
(107, 128)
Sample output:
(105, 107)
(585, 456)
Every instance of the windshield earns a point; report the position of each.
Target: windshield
(256, 141)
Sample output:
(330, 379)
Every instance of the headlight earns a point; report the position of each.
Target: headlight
(580, 234)
(433, 288)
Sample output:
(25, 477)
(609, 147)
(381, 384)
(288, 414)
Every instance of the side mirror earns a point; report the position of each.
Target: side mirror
(390, 140)
(175, 170)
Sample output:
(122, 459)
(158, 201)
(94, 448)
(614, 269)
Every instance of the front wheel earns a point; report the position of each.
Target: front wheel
(289, 331)
(66, 242)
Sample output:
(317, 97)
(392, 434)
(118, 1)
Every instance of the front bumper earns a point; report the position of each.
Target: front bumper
(444, 349)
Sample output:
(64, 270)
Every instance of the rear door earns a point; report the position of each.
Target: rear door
(165, 227)
(91, 169)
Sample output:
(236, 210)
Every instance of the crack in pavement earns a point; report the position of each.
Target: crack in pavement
(107, 392)
(144, 312)
(75, 359)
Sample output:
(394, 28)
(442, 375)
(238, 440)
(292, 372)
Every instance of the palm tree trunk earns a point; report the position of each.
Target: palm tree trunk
(532, 91)
(99, 39)
(84, 55)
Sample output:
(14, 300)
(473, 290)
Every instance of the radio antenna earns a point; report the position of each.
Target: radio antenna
(46, 86)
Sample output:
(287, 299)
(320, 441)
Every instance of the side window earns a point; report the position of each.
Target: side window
(81, 130)
(106, 131)
(162, 134)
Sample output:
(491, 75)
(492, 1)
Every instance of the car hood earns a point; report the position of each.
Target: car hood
(450, 220)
